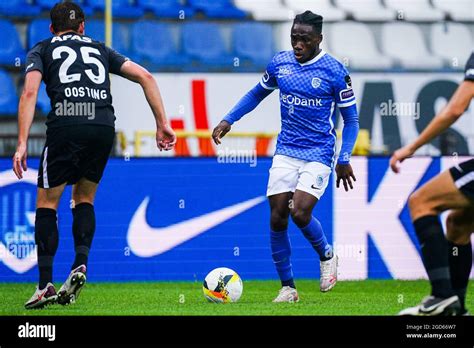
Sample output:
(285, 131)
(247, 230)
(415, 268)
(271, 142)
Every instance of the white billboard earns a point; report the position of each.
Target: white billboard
(394, 107)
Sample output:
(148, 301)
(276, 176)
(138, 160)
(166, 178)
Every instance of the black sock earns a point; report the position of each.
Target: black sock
(83, 228)
(47, 239)
(434, 248)
(460, 264)
(290, 283)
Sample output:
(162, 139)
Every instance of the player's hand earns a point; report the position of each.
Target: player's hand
(220, 131)
(399, 156)
(19, 161)
(344, 172)
(165, 138)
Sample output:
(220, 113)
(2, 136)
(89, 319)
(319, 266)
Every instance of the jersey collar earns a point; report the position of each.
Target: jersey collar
(315, 59)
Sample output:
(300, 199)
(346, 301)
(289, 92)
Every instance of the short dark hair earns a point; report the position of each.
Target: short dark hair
(310, 18)
(66, 16)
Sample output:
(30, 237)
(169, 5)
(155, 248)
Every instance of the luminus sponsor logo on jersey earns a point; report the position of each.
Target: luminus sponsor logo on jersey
(283, 71)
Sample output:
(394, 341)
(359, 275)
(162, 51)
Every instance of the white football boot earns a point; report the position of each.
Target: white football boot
(42, 298)
(69, 291)
(287, 294)
(328, 271)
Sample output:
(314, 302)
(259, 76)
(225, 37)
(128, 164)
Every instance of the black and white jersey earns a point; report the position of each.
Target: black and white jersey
(469, 71)
(76, 69)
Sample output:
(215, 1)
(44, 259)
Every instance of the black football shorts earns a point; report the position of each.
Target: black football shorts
(463, 176)
(75, 152)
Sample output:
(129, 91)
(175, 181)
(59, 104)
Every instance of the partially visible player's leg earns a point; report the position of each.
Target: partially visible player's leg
(83, 228)
(83, 195)
(281, 185)
(312, 182)
(437, 195)
(280, 245)
(302, 215)
(460, 225)
(46, 231)
(47, 239)
(93, 144)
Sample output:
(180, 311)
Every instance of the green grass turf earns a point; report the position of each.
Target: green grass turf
(371, 297)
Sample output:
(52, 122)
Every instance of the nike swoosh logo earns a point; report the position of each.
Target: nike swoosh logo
(40, 296)
(147, 241)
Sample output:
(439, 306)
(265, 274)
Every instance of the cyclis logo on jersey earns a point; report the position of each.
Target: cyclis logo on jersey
(294, 100)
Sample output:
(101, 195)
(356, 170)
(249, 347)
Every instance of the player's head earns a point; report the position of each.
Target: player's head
(67, 16)
(306, 35)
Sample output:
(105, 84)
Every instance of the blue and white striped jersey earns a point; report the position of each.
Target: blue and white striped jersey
(309, 93)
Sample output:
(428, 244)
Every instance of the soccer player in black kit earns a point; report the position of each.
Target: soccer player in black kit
(79, 137)
(447, 260)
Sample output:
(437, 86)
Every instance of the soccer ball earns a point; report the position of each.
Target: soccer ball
(222, 285)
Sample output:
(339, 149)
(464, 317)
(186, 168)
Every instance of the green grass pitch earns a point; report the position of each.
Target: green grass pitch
(370, 297)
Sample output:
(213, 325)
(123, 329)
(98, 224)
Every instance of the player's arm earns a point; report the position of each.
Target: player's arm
(243, 107)
(165, 136)
(346, 102)
(442, 121)
(350, 131)
(26, 112)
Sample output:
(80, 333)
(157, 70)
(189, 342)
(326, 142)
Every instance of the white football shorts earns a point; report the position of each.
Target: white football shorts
(288, 174)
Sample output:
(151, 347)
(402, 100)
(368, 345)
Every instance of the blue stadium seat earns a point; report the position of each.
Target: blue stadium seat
(38, 31)
(253, 44)
(96, 30)
(120, 8)
(11, 49)
(166, 8)
(203, 43)
(8, 97)
(157, 49)
(48, 4)
(19, 8)
(43, 102)
(218, 8)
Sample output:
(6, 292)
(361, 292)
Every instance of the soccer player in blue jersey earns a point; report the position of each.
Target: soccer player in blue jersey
(311, 84)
